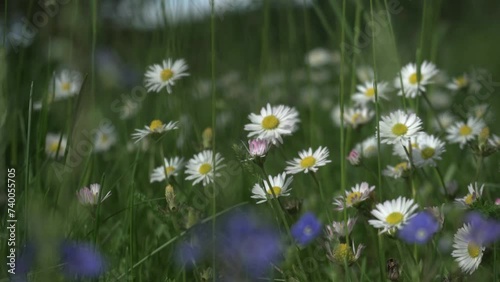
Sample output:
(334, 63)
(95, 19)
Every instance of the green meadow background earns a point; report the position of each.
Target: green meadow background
(238, 62)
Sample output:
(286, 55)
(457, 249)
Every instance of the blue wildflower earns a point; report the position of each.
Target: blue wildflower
(247, 247)
(306, 228)
(81, 260)
(419, 229)
(483, 230)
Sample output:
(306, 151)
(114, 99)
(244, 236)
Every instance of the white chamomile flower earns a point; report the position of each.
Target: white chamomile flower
(67, 83)
(156, 127)
(466, 252)
(462, 132)
(494, 141)
(170, 168)
(365, 73)
(458, 83)
(308, 161)
(366, 92)
(90, 196)
(273, 123)
(428, 152)
(340, 228)
(319, 57)
(368, 147)
(358, 116)
(392, 215)
(104, 138)
(402, 149)
(54, 148)
(128, 108)
(359, 193)
(480, 111)
(335, 115)
(396, 171)
(414, 85)
(475, 193)
(165, 75)
(446, 119)
(201, 167)
(399, 127)
(278, 186)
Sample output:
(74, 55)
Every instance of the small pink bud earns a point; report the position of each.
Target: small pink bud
(258, 147)
(354, 157)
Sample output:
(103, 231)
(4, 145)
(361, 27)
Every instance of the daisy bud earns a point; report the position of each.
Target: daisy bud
(497, 202)
(257, 148)
(192, 218)
(484, 134)
(170, 197)
(207, 137)
(354, 157)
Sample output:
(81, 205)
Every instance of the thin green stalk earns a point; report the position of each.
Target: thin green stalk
(98, 210)
(27, 165)
(94, 41)
(434, 111)
(214, 198)
(377, 114)
(441, 180)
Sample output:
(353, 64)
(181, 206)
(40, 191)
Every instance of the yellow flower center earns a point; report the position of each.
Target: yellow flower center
(155, 124)
(401, 166)
(205, 168)
(353, 198)
(469, 199)
(170, 169)
(355, 117)
(66, 86)
(270, 122)
(275, 190)
(394, 218)
(421, 234)
(427, 153)
(414, 79)
(370, 92)
(399, 129)
(465, 130)
(53, 147)
(343, 253)
(307, 162)
(104, 138)
(166, 74)
(473, 249)
(461, 82)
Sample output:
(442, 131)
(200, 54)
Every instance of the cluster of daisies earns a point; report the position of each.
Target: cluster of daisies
(401, 129)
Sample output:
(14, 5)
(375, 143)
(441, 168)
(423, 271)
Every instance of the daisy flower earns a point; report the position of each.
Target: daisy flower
(365, 73)
(358, 116)
(342, 253)
(399, 127)
(278, 186)
(366, 92)
(319, 57)
(359, 193)
(392, 215)
(165, 75)
(335, 115)
(340, 228)
(90, 196)
(201, 167)
(412, 84)
(396, 171)
(428, 152)
(129, 108)
(104, 138)
(466, 252)
(170, 168)
(367, 148)
(354, 157)
(156, 127)
(458, 83)
(399, 149)
(53, 147)
(67, 83)
(273, 123)
(445, 119)
(308, 161)
(475, 193)
(462, 133)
